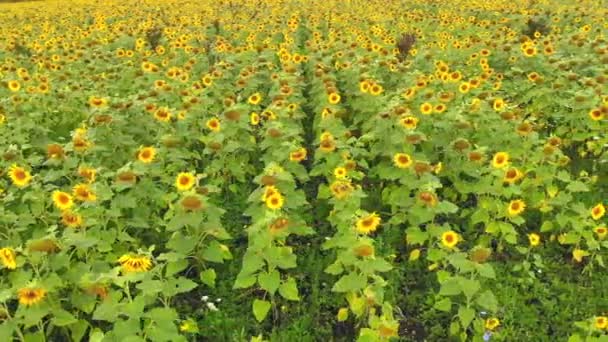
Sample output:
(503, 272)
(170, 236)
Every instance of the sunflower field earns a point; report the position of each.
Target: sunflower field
(304, 170)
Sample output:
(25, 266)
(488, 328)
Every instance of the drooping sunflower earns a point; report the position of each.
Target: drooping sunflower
(146, 154)
(62, 200)
(29, 296)
(83, 193)
(516, 207)
(71, 219)
(368, 224)
(500, 160)
(184, 181)
(598, 211)
(214, 124)
(402, 160)
(450, 239)
(7, 257)
(275, 201)
(135, 263)
(298, 155)
(19, 176)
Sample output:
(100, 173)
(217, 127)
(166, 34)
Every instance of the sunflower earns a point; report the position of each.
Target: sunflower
(601, 232)
(14, 86)
(135, 263)
(7, 257)
(254, 99)
(83, 192)
(254, 119)
(341, 188)
(598, 211)
(97, 102)
(80, 143)
(364, 250)
(450, 239)
(498, 104)
(596, 114)
(409, 122)
(512, 175)
(146, 154)
(71, 219)
(275, 201)
(516, 207)
(601, 322)
(333, 98)
(340, 172)
(214, 124)
(19, 176)
(88, 173)
(500, 160)
(368, 224)
(402, 160)
(376, 89)
(162, 114)
(55, 151)
(269, 190)
(192, 203)
(62, 200)
(364, 86)
(184, 181)
(298, 155)
(492, 323)
(426, 108)
(464, 87)
(31, 295)
(534, 239)
(327, 145)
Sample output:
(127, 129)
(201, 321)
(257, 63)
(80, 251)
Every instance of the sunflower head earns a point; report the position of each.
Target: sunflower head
(185, 181)
(29, 296)
(368, 224)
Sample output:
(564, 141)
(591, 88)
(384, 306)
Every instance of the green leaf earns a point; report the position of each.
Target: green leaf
(416, 236)
(350, 282)
(208, 277)
(486, 271)
(269, 281)
(469, 287)
(6, 331)
(444, 305)
(289, 289)
(450, 287)
(62, 318)
(577, 186)
(260, 309)
(466, 316)
(79, 329)
(174, 267)
(487, 301)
